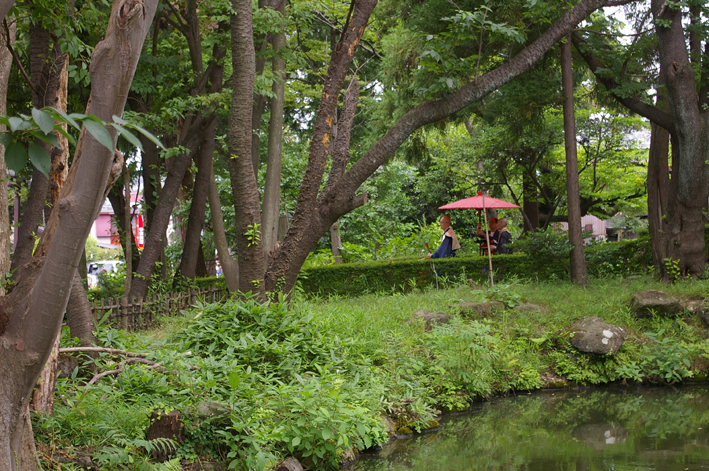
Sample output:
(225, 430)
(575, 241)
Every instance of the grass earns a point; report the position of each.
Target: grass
(313, 378)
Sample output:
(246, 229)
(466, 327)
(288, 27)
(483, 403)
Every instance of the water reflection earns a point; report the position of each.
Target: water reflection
(621, 429)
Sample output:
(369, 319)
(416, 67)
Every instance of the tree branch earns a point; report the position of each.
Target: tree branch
(14, 56)
(635, 105)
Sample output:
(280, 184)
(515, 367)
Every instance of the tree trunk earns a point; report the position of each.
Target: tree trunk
(272, 188)
(229, 266)
(118, 202)
(38, 301)
(342, 197)
(658, 182)
(685, 239)
(192, 246)
(79, 317)
(5, 227)
(579, 274)
(243, 182)
(530, 204)
(5, 6)
(128, 227)
(335, 242)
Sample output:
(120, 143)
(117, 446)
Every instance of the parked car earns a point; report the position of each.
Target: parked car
(94, 269)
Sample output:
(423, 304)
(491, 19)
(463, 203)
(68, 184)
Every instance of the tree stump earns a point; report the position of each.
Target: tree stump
(165, 426)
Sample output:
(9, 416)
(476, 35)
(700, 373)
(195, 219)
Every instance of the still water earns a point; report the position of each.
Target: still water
(620, 429)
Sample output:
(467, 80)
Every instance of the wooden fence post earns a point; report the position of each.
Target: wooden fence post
(124, 313)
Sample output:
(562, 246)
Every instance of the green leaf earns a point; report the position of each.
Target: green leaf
(326, 433)
(66, 118)
(118, 120)
(15, 156)
(130, 137)
(295, 441)
(68, 136)
(39, 158)
(99, 132)
(50, 139)
(18, 124)
(5, 138)
(147, 134)
(44, 120)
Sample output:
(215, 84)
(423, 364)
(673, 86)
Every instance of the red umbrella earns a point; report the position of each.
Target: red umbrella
(479, 202)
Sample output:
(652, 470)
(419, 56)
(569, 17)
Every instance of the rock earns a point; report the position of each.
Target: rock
(592, 335)
(480, 308)
(206, 410)
(289, 464)
(526, 307)
(389, 425)
(66, 365)
(432, 318)
(348, 458)
(696, 306)
(644, 303)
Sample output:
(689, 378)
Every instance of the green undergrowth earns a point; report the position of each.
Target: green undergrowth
(313, 378)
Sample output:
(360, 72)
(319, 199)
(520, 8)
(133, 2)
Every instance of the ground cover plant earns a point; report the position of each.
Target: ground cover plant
(312, 378)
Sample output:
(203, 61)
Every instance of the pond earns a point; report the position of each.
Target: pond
(619, 429)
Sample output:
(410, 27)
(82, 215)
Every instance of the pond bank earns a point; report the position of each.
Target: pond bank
(313, 379)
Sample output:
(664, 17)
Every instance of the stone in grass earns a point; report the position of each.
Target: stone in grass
(289, 464)
(527, 308)
(644, 303)
(696, 306)
(432, 318)
(481, 308)
(592, 335)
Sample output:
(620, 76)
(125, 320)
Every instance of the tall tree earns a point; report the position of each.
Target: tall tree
(30, 321)
(579, 274)
(7, 37)
(316, 213)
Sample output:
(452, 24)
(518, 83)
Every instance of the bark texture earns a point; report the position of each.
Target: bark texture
(230, 268)
(38, 302)
(310, 223)
(579, 274)
(5, 6)
(241, 169)
(685, 234)
(272, 188)
(5, 227)
(192, 246)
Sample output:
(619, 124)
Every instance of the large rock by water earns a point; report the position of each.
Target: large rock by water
(592, 335)
(644, 303)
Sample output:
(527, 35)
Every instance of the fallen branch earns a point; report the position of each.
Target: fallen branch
(101, 349)
(119, 370)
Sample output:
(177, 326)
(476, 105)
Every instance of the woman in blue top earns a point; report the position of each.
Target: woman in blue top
(449, 241)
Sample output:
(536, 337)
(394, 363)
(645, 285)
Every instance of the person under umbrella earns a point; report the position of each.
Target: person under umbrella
(449, 241)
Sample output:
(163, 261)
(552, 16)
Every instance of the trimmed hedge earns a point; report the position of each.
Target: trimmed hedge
(352, 279)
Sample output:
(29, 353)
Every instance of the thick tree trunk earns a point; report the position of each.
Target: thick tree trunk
(154, 238)
(229, 266)
(79, 317)
(658, 182)
(342, 197)
(686, 238)
(5, 6)
(243, 182)
(579, 274)
(46, 68)
(38, 301)
(272, 188)
(192, 246)
(5, 228)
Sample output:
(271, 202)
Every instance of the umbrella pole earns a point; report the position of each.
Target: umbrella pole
(487, 239)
